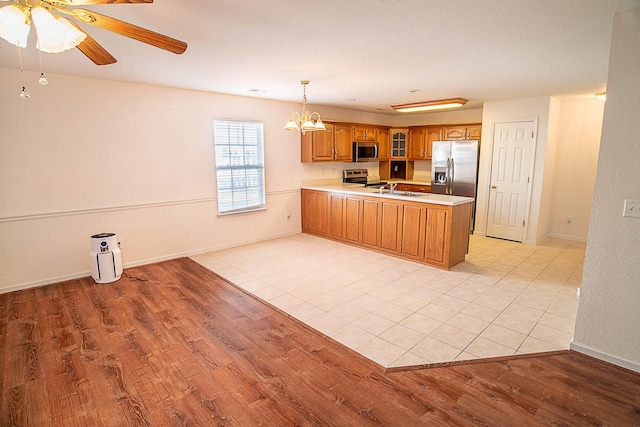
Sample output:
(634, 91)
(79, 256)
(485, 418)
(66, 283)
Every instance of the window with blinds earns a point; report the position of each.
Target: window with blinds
(239, 159)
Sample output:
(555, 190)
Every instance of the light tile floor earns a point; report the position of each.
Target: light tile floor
(506, 298)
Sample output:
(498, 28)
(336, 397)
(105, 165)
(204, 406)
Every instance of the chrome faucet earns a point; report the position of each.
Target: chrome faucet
(392, 187)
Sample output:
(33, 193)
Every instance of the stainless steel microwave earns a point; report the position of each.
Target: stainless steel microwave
(365, 151)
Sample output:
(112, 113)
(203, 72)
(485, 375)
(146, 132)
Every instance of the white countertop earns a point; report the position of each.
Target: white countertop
(359, 189)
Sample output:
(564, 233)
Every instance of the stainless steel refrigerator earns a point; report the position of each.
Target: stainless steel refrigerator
(454, 169)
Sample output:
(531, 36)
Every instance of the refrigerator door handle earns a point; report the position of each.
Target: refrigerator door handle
(451, 172)
(446, 181)
(447, 187)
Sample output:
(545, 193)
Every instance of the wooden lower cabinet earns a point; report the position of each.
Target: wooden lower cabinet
(412, 232)
(436, 231)
(433, 234)
(353, 220)
(318, 203)
(336, 216)
(371, 210)
(389, 227)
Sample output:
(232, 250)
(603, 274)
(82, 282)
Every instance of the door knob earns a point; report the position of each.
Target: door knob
(494, 187)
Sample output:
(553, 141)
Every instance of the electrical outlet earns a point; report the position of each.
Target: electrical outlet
(631, 208)
(288, 215)
(569, 219)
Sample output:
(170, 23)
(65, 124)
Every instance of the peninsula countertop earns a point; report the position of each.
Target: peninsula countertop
(360, 189)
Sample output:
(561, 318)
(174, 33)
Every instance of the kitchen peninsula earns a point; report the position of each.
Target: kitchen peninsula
(423, 227)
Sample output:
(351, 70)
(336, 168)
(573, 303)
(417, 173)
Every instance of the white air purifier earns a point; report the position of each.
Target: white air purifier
(106, 260)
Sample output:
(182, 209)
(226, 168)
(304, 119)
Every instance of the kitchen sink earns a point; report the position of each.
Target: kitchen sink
(408, 193)
(403, 193)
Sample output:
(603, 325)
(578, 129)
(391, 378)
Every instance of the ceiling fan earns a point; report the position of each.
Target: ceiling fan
(91, 48)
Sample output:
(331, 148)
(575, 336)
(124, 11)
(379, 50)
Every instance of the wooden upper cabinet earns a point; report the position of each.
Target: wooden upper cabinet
(333, 145)
(432, 134)
(405, 144)
(421, 141)
(474, 132)
(416, 143)
(383, 143)
(342, 143)
(364, 133)
(471, 131)
(321, 144)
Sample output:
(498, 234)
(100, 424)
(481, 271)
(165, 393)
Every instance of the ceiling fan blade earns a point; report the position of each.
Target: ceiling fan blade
(129, 30)
(93, 50)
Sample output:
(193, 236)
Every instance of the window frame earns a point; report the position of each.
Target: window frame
(249, 174)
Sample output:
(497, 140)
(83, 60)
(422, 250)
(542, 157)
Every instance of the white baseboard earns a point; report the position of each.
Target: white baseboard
(45, 282)
(568, 237)
(590, 351)
(137, 263)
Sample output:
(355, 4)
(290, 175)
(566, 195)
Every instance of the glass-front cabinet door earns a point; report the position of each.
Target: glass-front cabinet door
(399, 139)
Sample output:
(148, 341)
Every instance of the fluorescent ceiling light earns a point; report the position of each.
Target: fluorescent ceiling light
(439, 104)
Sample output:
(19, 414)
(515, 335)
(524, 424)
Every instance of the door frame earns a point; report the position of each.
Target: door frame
(534, 145)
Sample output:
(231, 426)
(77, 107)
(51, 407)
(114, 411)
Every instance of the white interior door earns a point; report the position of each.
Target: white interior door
(510, 179)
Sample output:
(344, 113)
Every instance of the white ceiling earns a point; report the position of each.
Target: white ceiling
(358, 54)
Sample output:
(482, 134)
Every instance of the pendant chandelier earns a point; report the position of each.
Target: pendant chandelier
(305, 122)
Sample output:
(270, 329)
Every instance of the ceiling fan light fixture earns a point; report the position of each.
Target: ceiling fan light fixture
(439, 104)
(55, 35)
(13, 25)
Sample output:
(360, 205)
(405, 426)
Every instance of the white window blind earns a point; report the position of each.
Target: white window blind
(239, 159)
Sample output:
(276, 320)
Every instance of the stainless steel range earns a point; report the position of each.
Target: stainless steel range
(360, 176)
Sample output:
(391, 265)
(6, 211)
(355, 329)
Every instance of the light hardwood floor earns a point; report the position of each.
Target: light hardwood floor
(175, 344)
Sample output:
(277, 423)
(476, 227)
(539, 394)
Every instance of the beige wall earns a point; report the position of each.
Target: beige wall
(577, 161)
(608, 318)
(84, 156)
